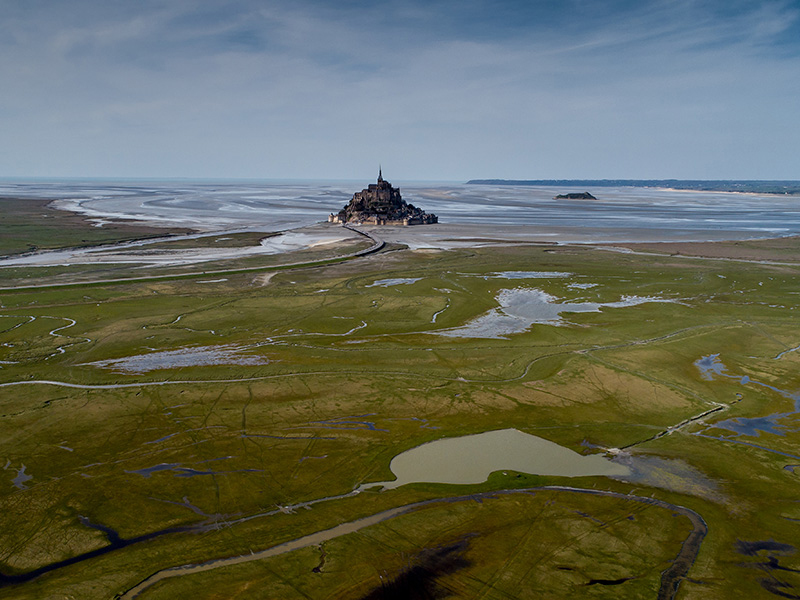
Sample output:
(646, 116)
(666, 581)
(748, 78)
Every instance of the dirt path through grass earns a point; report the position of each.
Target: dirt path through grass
(670, 577)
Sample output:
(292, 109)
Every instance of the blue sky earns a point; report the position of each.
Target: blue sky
(439, 90)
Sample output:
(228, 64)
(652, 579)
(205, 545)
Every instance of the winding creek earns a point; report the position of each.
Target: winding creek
(670, 577)
(53, 332)
(433, 462)
(459, 460)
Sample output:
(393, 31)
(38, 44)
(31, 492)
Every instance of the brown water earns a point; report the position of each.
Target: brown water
(471, 458)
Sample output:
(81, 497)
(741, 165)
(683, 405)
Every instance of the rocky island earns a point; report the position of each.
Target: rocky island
(381, 204)
(575, 196)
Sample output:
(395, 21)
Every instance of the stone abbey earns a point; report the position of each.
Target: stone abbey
(381, 204)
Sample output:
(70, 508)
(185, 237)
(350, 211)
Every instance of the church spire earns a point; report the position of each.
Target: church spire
(380, 174)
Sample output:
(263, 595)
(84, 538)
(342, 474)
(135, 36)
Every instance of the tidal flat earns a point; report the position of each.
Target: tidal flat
(114, 475)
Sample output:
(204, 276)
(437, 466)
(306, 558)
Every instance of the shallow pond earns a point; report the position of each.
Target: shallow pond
(527, 275)
(178, 470)
(582, 286)
(21, 478)
(669, 474)
(199, 356)
(394, 281)
(522, 307)
(471, 458)
(779, 423)
(709, 366)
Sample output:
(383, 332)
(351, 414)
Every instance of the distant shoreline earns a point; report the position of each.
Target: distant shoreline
(749, 186)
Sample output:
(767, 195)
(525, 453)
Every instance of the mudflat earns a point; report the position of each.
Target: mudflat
(784, 249)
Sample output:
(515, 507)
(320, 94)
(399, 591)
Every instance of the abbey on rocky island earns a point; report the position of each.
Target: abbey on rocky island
(381, 204)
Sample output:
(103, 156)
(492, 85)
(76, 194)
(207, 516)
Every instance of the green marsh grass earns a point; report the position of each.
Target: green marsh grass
(331, 408)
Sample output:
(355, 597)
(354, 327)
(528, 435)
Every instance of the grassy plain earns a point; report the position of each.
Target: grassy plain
(31, 224)
(345, 374)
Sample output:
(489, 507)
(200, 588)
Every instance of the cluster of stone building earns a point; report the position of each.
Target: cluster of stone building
(381, 204)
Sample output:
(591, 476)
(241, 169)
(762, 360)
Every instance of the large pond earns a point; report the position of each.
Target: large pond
(471, 458)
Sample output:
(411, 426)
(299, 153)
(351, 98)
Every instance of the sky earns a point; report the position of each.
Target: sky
(429, 89)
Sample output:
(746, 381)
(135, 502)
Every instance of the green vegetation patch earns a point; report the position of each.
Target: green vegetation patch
(32, 224)
(221, 408)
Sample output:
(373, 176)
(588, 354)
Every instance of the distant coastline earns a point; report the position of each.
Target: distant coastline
(750, 186)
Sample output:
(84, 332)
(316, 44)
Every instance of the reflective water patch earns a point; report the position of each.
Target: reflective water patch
(200, 356)
(522, 307)
(394, 281)
(471, 458)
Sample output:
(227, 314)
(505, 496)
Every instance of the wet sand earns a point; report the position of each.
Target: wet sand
(784, 249)
(722, 244)
(716, 225)
(433, 238)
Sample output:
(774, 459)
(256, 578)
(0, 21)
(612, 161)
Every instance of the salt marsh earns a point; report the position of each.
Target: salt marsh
(779, 423)
(113, 438)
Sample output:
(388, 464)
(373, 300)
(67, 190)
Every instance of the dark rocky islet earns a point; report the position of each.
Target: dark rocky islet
(381, 204)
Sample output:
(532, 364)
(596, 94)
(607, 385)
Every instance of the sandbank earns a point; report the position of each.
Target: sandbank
(447, 236)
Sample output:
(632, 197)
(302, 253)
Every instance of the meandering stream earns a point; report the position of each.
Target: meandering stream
(670, 578)
(466, 459)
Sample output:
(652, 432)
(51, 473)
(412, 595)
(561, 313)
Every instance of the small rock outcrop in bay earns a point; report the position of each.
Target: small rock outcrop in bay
(575, 196)
(381, 204)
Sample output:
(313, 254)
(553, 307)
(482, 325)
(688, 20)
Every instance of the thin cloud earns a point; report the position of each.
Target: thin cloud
(447, 89)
